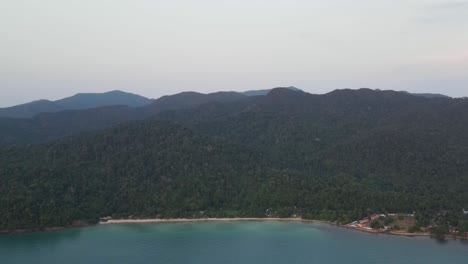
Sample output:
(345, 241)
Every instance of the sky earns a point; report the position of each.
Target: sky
(51, 49)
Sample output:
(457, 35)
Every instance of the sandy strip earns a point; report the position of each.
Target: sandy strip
(175, 220)
(396, 233)
(179, 220)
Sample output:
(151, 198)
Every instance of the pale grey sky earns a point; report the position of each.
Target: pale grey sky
(56, 48)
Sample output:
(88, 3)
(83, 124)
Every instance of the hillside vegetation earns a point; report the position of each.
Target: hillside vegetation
(335, 157)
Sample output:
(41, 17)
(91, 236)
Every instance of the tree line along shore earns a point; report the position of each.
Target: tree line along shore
(338, 157)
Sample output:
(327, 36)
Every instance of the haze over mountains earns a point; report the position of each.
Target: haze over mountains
(76, 102)
(82, 101)
(266, 91)
(87, 112)
(333, 156)
(83, 117)
(94, 100)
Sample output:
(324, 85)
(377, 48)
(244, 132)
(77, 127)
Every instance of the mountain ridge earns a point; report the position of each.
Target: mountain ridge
(266, 91)
(76, 102)
(334, 157)
(46, 127)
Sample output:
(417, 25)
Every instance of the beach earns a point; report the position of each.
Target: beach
(179, 220)
(158, 220)
(238, 219)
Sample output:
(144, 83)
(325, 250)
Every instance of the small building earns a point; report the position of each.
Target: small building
(376, 216)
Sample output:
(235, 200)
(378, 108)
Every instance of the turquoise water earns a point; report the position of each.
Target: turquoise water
(225, 242)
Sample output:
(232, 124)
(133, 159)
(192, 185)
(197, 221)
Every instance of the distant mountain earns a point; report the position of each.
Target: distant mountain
(195, 108)
(49, 126)
(30, 109)
(428, 95)
(192, 99)
(266, 91)
(93, 100)
(286, 121)
(76, 102)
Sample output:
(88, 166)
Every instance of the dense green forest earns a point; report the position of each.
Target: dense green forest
(51, 125)
(335, 157)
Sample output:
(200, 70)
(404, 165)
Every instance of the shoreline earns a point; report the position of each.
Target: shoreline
(235, 219)
(182, 220)
(188, 220)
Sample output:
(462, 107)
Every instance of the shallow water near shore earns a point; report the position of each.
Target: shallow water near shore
(225, 242)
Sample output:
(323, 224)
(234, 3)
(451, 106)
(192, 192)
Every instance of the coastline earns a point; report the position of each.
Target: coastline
(235, 219)
(75, 224)
(178, 220)
(397, 233)
(182, 220)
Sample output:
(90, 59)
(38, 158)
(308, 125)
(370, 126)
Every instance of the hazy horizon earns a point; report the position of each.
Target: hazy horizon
(53, 49)
(240, 91)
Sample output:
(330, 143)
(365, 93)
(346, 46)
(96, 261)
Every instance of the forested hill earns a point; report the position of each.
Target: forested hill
(140, 169)
(333, 157)
(49, 126)
(296, 127)
(76, 102)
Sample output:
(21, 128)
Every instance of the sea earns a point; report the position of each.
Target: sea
(225, 242)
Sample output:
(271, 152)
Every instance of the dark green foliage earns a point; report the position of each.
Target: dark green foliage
(49, 126)
(146, 169)
(388, 221)
(414, 229)
(375, 224)
(439, 231)
(463, 228)
(333, 157)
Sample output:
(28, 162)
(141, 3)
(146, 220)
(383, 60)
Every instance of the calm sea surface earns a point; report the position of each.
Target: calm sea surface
(225, 242)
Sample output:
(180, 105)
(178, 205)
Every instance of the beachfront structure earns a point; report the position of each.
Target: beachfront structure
(377, 216)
